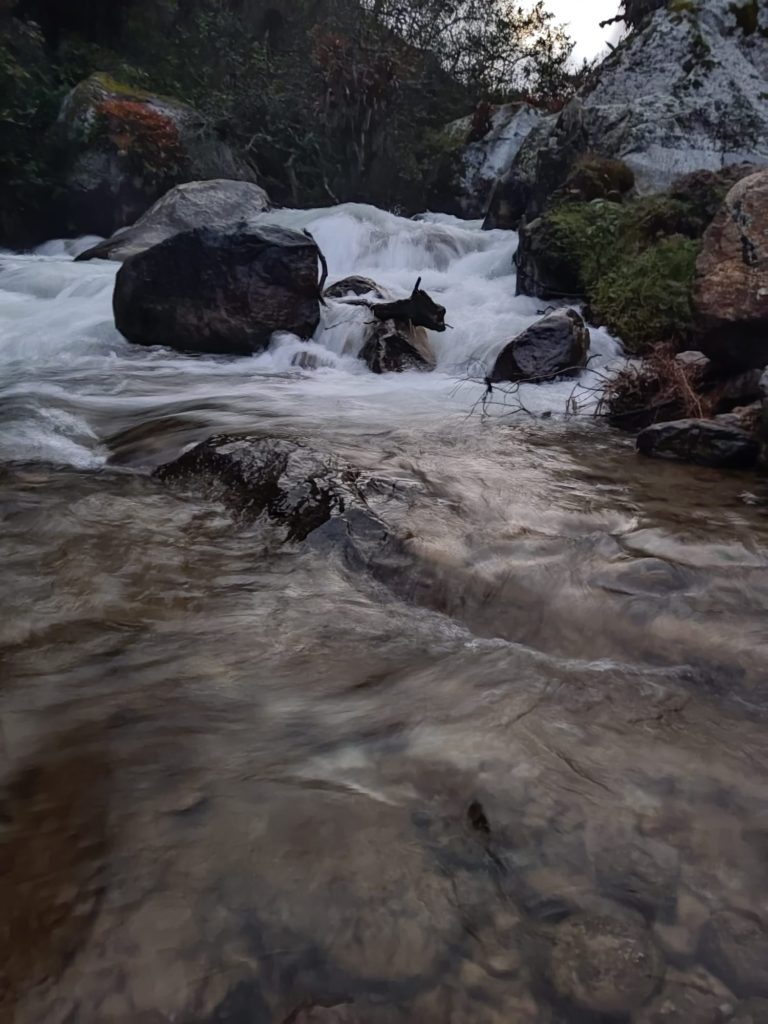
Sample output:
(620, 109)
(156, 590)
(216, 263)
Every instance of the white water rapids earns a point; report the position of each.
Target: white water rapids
(69, 378)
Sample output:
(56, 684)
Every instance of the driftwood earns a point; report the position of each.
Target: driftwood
(323, 264)
(419, 310)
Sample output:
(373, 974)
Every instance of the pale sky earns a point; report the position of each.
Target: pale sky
(582, 19)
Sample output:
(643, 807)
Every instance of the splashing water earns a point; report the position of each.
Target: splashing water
(69, 378)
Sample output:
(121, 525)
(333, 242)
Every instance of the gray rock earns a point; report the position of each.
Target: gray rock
(218, 292)
(753, 1011)
(555, 346)
(734, 946)
(703, 442)
(127, 147)
(485, 160)
(220, 204)
(687, 91)
(689, 997)
(694, 360)
(637, 871)
(604, 965)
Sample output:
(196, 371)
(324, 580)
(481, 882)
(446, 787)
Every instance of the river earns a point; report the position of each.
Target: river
(249, 783)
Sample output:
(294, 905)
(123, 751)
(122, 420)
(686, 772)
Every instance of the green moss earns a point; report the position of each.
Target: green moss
(633, 262)
(580, 241)
(596, 177)
(747, 15)
(646, 299)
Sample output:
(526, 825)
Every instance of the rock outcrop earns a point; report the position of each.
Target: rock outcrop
(489, 147)
(555, 346)
(731, 288)
(702, 442)
(688, 90)
(220, 292)
(126, 148)
(219, 203)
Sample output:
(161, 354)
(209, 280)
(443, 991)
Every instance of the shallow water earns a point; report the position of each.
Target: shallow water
(523, 781)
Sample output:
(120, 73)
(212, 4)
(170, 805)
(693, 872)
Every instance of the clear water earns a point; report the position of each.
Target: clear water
(525, 782)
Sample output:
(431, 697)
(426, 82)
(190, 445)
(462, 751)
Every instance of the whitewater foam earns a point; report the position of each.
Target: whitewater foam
(69, 379)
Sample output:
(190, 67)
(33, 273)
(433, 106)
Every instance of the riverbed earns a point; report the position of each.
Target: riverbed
(522, 783)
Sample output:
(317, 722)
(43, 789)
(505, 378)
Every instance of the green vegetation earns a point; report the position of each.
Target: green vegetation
(29, 101)
(329, 100)
(647, 298)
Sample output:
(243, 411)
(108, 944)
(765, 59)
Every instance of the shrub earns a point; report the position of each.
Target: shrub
(646, 299)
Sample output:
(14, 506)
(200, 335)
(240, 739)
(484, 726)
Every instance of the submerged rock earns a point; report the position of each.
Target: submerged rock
(689, 997)
(555, 346)
(731, 289)
(735, 947)
(703, 442)
(220, 204)
(295, 486)
(127, 147)
(635, 870)
(604, 965)
(220, 292)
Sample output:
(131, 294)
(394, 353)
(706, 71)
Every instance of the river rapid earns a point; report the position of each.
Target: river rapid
(251, 783)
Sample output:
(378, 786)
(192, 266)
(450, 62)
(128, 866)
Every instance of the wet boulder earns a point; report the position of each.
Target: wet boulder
(734, 946)
(392, 347)
(220, 292)
(690, 997)
(635, 870)
(555, 346)
(602, 964)
(220, 204)
(731, 288)
(703, 442)
(126, 148)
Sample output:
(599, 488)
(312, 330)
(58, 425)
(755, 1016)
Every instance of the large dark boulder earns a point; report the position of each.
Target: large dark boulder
(219, 292)
(126, 148)
(555, 346)
(221, 204)
(703, 442)
(731, 288)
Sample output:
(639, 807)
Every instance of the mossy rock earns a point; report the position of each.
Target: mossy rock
(596, 177)
(567, 249)
(127, 147)
(632, 263)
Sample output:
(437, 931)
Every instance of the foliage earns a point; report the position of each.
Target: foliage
(647, 297)
(634, 262)
(29, 100)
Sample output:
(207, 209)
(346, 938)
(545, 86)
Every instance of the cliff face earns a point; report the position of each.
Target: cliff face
(688, 91)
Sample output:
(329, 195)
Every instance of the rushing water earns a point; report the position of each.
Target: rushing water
(527, 783)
